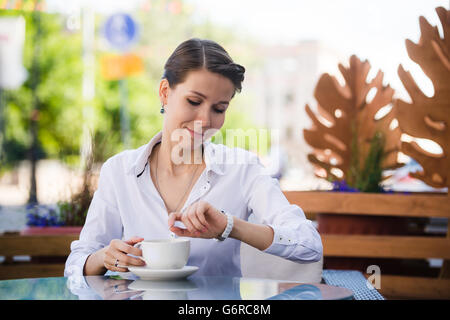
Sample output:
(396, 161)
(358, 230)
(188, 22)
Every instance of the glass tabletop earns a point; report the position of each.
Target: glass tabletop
(130, 287)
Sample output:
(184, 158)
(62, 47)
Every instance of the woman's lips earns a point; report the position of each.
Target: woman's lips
(195, 134)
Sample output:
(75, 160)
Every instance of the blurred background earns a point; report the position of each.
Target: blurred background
(79, 81)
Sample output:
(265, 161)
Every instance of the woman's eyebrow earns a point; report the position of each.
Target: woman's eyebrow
(205, 97)
(200, 94)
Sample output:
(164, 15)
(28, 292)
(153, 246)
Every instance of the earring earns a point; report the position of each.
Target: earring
(162, 109)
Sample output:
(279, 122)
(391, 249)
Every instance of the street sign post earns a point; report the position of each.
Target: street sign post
(121, 31)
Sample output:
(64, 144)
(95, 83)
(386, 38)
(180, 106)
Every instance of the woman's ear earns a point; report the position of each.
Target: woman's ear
(163, 91)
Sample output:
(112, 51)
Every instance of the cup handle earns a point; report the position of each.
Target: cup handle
(139, 245)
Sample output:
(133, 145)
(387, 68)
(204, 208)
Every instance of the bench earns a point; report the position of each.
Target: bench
(47, 255)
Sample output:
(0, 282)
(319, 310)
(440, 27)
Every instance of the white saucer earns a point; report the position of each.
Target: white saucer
(146, 273)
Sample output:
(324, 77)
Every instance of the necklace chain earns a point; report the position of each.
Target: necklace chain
(159, 190)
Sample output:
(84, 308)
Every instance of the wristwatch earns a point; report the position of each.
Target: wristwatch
(228, 228)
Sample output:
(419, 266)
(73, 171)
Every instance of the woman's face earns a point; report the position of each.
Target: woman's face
(195, 109)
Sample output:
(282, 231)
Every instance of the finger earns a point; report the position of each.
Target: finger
(182, 232)
(114, 268)
(110, 262)
(127, 248)
(127, 295)
(134, 240)
(200, 213)
(109, 283)
(116, 287)
(118, 292)
(173, 216)
(190, 216)
(195, 221)
(171, 219)
(125, 260)
(185, 219)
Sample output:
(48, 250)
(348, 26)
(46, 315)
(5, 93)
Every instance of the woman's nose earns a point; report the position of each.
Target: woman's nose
(203, 116)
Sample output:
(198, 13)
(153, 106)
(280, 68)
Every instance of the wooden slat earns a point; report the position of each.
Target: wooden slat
(408, 205)
(402, 287)
(48, 245)
(385, 246)
(445, 269)
(29, 270)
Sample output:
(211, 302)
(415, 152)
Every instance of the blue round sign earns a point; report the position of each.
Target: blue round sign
(120, 30)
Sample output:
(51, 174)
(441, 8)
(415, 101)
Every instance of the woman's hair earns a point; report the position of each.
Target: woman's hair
(195, 54)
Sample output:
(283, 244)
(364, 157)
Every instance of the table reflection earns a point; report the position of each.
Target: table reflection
(201, 288)
(130, 287)
(193, 288)
(299, 292)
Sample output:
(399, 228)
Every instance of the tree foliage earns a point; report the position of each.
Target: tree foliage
(59, 89)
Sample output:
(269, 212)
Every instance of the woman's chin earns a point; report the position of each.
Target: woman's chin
(192, 145)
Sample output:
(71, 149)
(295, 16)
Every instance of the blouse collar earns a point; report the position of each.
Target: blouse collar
(210, 152)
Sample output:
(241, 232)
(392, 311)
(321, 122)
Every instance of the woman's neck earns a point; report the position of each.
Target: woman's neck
(176, 161)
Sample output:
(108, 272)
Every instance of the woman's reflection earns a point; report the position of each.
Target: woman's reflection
(101, 288)
(119, 288)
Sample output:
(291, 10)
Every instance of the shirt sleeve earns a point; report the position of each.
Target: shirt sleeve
(295, 237)
(103, 223)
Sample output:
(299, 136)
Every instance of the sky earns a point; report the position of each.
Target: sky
(373, 30)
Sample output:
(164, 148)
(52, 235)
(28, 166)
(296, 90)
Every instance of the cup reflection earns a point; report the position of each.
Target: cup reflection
(163, 290)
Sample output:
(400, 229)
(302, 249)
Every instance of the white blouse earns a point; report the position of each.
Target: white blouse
(126, 204)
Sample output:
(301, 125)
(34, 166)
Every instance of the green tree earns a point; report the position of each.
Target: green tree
(58, 90)
(57, 55)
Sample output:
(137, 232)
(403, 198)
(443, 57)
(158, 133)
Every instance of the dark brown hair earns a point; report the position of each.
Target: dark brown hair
(195, 54)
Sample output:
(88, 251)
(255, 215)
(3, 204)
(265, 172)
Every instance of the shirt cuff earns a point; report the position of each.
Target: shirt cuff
(74, 272)
(76, 266)
(289, 244)
(283, 240)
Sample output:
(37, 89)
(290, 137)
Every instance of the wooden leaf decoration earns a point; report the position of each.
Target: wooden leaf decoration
(345, 116)
(428, 117)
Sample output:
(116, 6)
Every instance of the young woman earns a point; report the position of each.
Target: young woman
(181, 177)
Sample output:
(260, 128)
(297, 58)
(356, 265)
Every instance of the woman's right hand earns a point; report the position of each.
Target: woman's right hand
(116, 256)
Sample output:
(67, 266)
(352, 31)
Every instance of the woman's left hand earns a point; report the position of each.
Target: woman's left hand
(201, 219)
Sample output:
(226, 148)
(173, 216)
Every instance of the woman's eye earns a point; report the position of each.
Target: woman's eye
(194, 103)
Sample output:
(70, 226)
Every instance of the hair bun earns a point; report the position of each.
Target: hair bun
(194, 54)
(238, 68)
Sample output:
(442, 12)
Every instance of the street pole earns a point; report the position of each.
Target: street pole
(88, 82)
(34, 118)
(124, 119)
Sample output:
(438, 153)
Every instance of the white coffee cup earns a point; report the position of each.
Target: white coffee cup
(165, 253)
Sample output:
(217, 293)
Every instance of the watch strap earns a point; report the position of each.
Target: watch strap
(228, 228)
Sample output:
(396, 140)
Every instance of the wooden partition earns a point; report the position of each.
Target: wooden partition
(383, 246)
(47, 252)
(313, 203)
